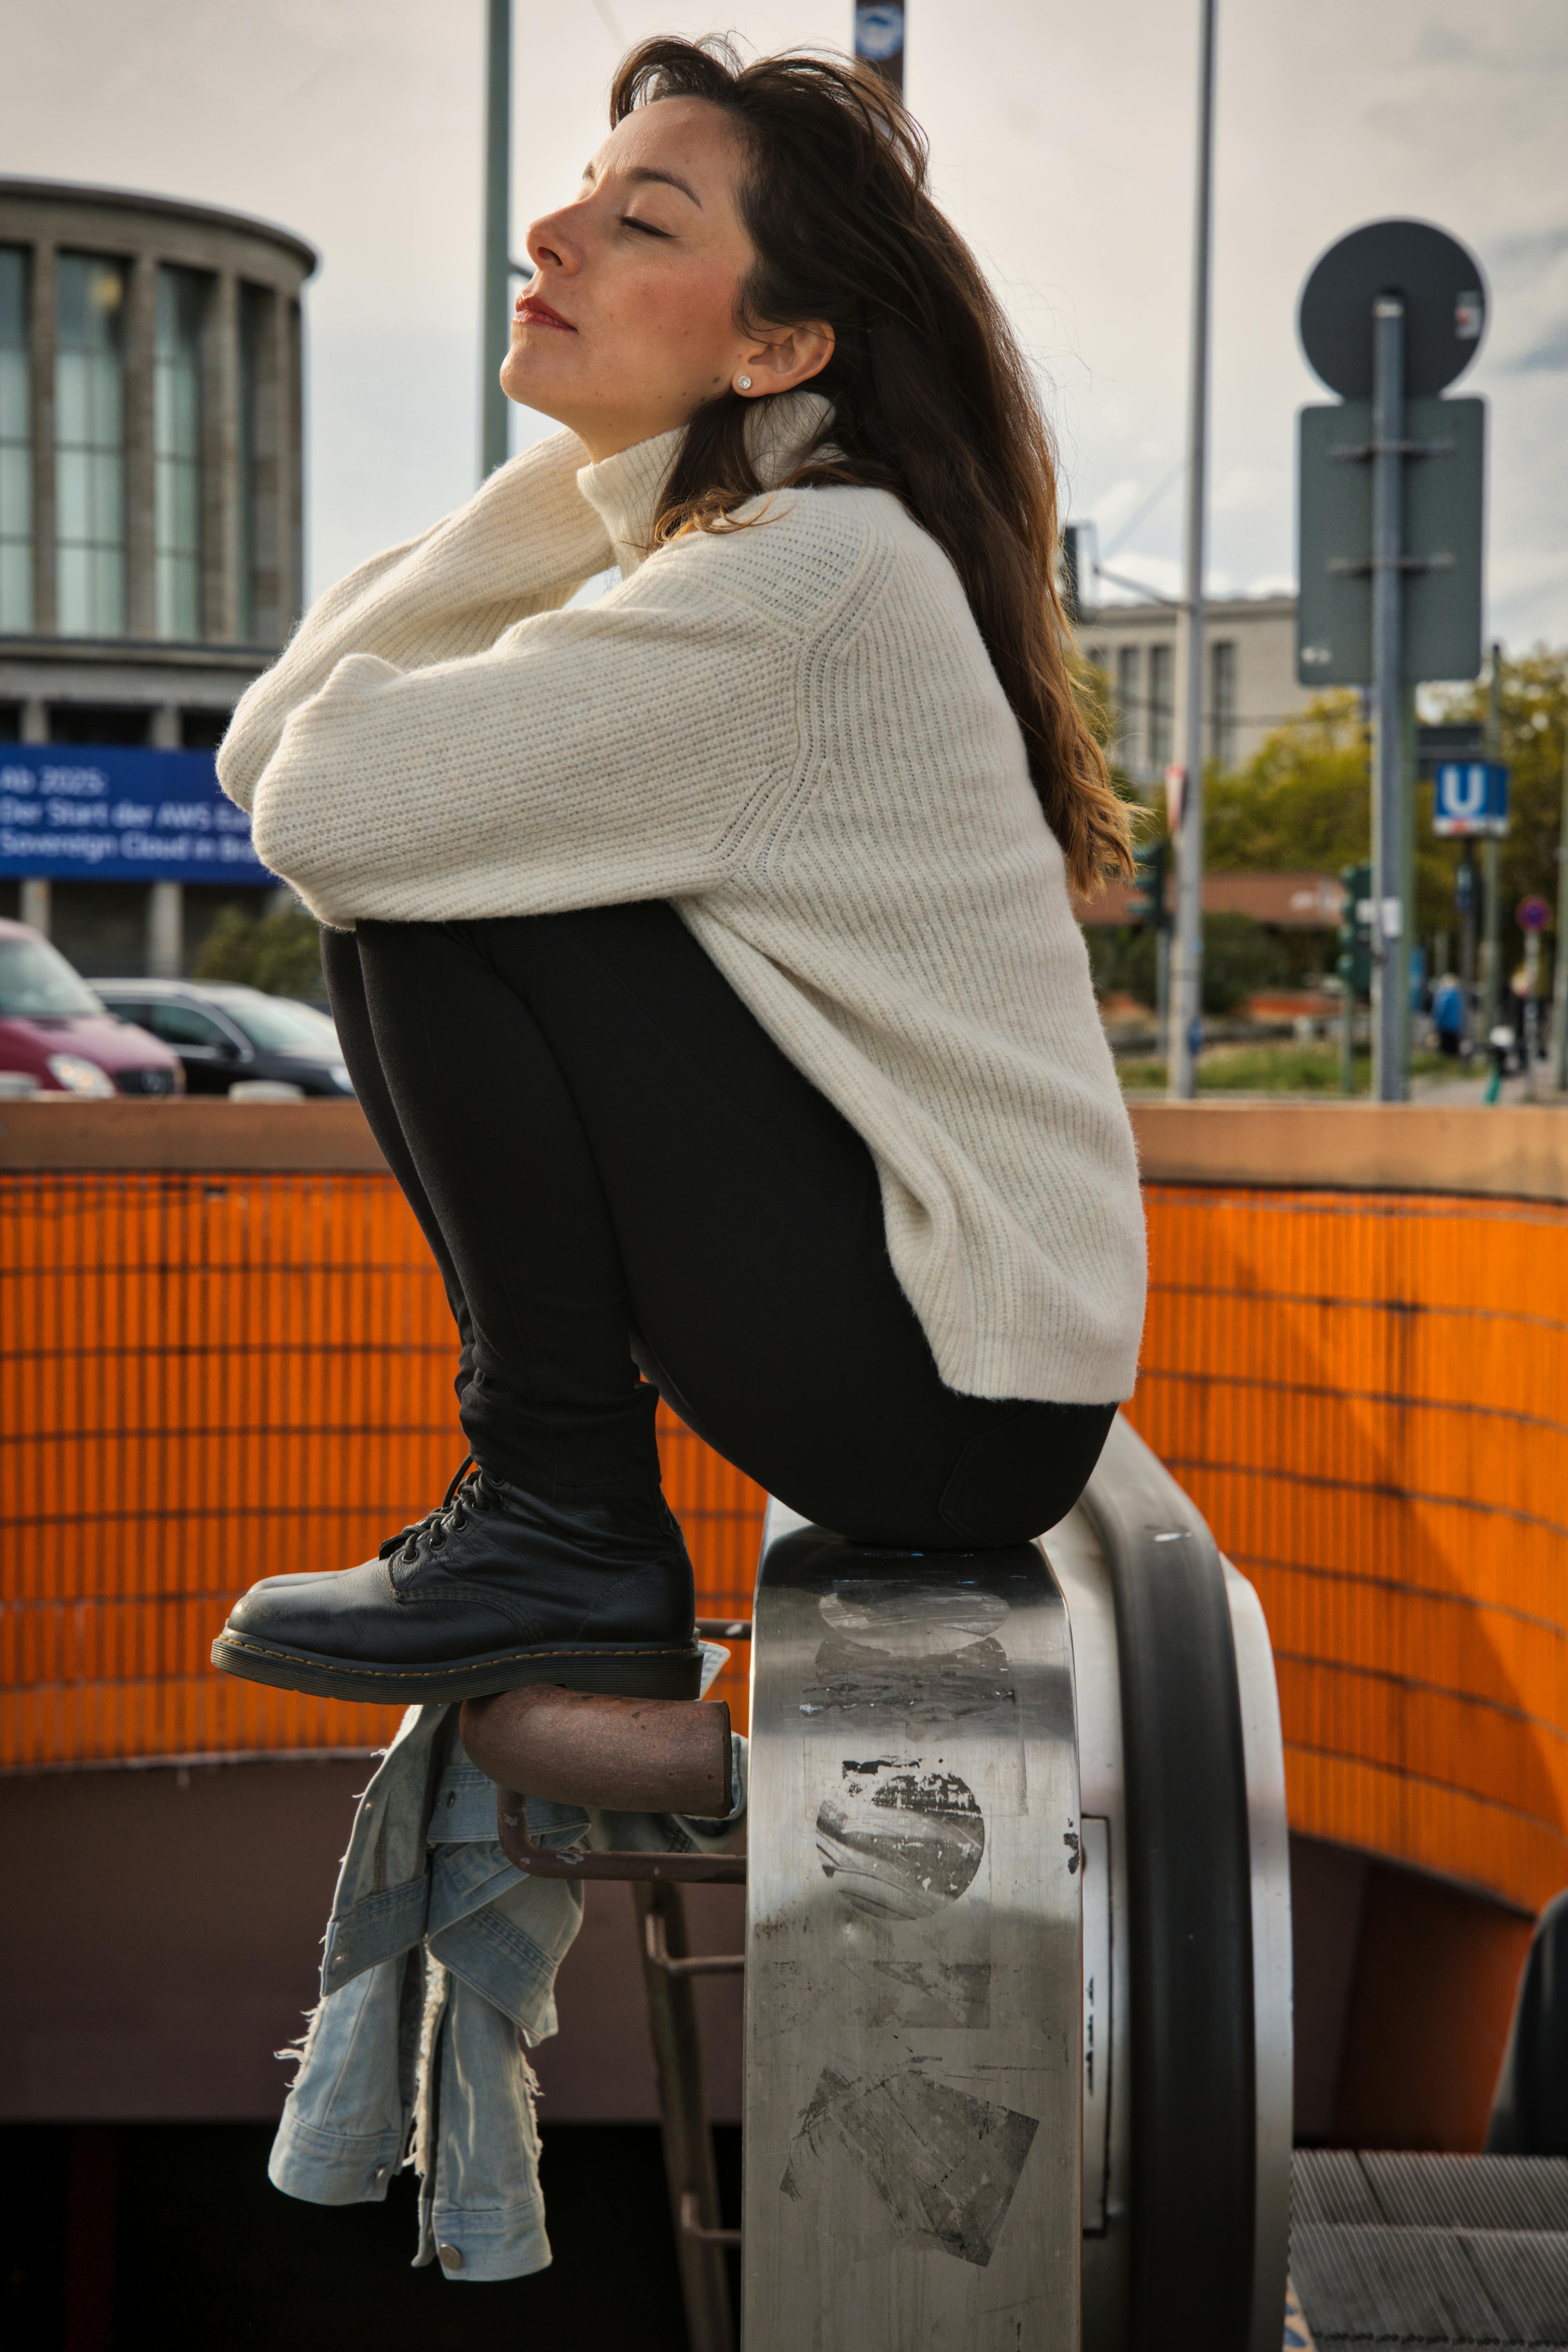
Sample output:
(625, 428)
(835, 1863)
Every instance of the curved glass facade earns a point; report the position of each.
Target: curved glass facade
(16, 444)
(177, 452)
(90, 447)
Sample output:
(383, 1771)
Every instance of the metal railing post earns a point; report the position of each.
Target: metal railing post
(683, 2116)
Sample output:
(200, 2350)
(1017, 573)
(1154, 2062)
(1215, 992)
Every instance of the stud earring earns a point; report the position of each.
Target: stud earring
(742, 383)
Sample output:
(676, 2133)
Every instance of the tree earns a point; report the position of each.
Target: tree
(280, 952)
(1302, 802)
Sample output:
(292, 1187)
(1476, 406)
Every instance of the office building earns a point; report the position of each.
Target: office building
(1250, 679)
(150, 507)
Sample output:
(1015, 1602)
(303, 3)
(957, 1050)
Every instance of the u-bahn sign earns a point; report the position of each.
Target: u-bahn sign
(1469, 797)
(90, 813)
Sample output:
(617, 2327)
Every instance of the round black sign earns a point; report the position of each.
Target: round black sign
(1445, 307)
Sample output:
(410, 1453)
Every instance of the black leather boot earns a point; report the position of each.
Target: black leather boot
(494, 1589)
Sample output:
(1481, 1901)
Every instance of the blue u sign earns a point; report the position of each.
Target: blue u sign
(91, 812)
(1471, 797)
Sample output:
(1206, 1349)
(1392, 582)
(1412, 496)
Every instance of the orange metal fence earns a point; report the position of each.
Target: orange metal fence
(205, 1377)
(1367, 1395)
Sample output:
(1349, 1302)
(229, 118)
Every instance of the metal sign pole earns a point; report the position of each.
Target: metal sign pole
(1491, 916)
(1467, 898)
(1187, 956)
(1389, 954)
(1560, 949)
(495, 326)
(879, 39)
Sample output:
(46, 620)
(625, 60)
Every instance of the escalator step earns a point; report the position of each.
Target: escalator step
(1327, 2184)
(1360, 2282)
(1525, 2275)
(1472, 2192)
(1417, 2252)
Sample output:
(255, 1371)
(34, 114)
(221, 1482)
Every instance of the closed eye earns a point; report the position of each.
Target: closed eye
(630, 220)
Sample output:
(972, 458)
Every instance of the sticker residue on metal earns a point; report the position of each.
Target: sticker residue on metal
(923, 1654)
(945, 2163)
(900, 1840)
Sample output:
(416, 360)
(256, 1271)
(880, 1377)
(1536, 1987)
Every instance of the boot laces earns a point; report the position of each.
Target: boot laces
(407, 1541)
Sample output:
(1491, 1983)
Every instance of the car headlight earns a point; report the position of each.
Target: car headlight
(78, 1076)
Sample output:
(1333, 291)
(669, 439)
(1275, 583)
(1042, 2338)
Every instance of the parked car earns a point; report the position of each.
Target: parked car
(55, 1030)
(225, 1033)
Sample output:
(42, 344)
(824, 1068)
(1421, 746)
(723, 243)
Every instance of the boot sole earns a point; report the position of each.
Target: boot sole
(628, 1670)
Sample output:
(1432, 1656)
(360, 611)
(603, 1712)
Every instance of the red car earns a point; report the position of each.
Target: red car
(55, 1032)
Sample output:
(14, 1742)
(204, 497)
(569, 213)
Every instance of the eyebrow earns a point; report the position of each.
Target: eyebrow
(645, 178)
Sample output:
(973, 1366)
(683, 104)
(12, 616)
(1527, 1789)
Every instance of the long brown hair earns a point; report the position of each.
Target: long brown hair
(932, 397)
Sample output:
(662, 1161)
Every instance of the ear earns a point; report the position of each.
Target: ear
(781, 361)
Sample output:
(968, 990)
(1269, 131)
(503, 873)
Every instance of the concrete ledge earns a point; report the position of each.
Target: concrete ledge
(1516, 1152)
(57, 1132)
(1519, 1152)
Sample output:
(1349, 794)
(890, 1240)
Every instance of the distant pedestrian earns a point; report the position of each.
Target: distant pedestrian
(1448, 1015)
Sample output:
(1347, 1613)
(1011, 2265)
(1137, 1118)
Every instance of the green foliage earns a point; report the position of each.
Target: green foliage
(1302, 802)
(1281, 1069)
(1241, 957)
(1122, 961)
(279, 952)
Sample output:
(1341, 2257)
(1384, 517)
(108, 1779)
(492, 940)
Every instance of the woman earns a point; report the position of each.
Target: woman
(703, 957)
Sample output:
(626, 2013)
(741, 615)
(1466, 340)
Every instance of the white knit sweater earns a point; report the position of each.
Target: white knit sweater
(793, 732)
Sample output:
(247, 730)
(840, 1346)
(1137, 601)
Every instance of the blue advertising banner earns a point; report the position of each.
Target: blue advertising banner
(93, 812)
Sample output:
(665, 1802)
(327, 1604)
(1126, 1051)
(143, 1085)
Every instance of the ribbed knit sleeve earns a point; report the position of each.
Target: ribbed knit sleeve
(523, 544)
(592, 756)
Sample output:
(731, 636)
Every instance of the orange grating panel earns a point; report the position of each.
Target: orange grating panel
(201, 1376)
(1367, 1396)
(205, 1378)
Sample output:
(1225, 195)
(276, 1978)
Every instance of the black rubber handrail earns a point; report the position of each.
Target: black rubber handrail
(1194, 2114)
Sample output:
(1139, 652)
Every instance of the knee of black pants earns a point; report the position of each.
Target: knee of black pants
(1025, 1472)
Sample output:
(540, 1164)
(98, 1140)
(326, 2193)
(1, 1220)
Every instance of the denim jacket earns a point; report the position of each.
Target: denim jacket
(438, 1973)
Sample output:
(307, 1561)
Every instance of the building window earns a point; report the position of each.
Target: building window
(177, 452)
(16, 445)
(258, 470)
(1162, 706)
(1221, 703)
(90, 447)
(1129, 711)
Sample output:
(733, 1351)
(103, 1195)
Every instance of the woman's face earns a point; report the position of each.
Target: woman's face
(627, 325)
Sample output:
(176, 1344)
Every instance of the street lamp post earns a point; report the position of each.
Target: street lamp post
(495, 331)
(1186, 961)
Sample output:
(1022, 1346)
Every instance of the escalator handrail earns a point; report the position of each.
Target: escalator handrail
(1193, 2116)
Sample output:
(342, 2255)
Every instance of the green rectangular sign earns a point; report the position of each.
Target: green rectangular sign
(1440, 535)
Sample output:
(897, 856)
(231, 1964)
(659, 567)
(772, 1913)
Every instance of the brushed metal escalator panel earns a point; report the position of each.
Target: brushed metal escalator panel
(913, 1994)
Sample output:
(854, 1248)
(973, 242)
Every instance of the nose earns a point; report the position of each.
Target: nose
(549, 243)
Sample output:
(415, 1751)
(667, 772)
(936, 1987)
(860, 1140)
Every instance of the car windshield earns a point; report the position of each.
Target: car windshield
(37, 984)
(280, 1024)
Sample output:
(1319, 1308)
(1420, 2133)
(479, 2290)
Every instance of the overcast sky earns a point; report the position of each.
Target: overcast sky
(1062, 145)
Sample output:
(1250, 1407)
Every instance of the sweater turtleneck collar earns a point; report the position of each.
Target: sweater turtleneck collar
(624, 490)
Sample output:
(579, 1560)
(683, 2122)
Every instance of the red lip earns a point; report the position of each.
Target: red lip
(535, 313)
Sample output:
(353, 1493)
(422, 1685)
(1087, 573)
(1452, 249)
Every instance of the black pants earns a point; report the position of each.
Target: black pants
(616, 1169)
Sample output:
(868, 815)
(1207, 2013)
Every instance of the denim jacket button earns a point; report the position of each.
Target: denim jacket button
(451, 2257)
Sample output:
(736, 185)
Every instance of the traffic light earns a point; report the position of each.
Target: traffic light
(1355, 930)
(1146, 899)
